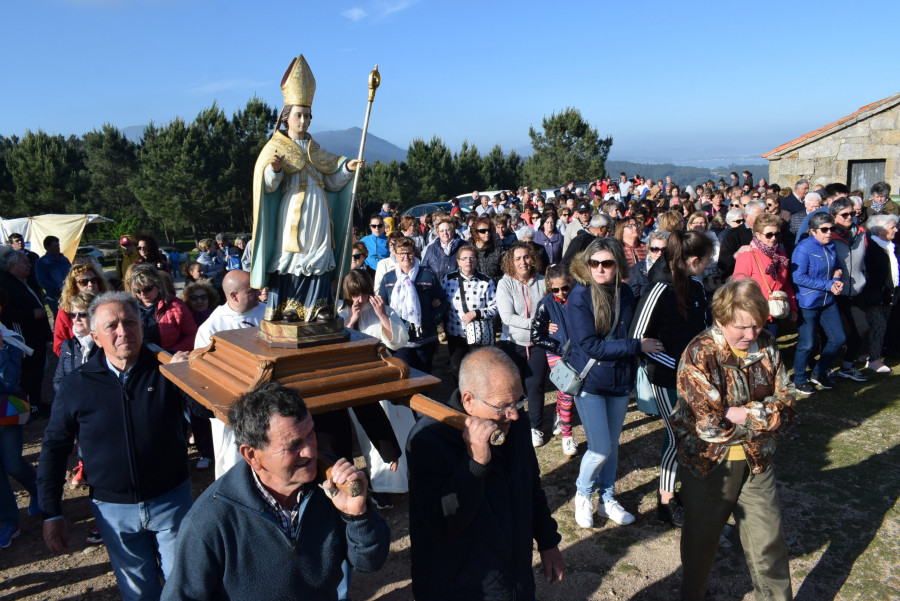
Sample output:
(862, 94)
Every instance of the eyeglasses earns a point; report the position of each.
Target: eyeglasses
(504, 412)
(560, 289)
(770, 235)
(844, 215)
(483, 230)
(78, 315)
(146, 290)
(86, 281)
(607, 264)
(466, 258)
(143, 247)
(656, 249)
(199, 297)
(825, 229)
(738, 221)
(630, 225)
(407, 255)
(356, 257)
(375, 226)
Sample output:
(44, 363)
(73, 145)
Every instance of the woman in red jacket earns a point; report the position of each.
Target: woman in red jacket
(765, 262)
(167, 320)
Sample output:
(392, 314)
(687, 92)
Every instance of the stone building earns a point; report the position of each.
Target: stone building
(858, 150)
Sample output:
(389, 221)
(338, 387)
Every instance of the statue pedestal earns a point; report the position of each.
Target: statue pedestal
(355, 372)
(300, 334)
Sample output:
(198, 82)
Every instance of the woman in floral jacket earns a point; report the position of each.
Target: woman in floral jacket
(733, 402)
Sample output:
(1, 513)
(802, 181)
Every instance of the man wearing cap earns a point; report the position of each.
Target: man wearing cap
(583, 212)
(125, 257)
(301, 204)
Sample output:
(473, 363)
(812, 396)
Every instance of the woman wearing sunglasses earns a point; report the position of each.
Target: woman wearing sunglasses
(767, 264)
(598, 314)
(484, 239)
(655, 248)
(81, 278)
(816, 271)
(672, 311)
(167, 320)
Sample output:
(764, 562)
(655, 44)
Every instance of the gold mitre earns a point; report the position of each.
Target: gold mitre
(298, 84)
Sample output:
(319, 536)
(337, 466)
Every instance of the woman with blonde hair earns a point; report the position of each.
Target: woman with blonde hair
(201, 298)
(81, 278)
(599, 312)
(167, 320)
(733, 402)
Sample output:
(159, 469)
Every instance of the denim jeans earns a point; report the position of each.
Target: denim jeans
(830, 319)
(12, 464)
(602, 418)
(140, 539)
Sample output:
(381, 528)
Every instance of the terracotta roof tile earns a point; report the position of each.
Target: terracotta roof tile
(880, 104)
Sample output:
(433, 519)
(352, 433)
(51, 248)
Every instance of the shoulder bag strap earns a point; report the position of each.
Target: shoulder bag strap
(762, 271)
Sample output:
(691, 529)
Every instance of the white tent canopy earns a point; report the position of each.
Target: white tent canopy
(68, 228)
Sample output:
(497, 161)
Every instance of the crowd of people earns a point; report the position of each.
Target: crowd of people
(690, 287)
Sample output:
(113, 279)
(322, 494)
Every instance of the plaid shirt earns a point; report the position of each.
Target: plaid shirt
(287, 519)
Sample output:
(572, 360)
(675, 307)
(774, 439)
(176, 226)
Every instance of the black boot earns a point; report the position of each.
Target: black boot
(673, 512)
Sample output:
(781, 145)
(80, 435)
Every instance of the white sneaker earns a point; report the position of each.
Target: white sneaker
(615, 512)
(569, 447)
(537, 438)
(584, 511)
(557, 425)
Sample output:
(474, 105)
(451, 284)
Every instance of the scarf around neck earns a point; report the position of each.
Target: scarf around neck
(404, 299)
(779, 261)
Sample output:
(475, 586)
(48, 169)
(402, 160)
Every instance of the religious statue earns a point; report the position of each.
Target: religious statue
(301, 202)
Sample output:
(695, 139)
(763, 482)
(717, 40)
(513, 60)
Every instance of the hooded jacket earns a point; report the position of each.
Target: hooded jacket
(657, 316)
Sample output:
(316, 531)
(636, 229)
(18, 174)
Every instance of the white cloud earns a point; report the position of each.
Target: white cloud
(354, 14)
(380, 9)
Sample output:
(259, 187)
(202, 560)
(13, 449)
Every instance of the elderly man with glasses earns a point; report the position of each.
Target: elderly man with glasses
(476, 510)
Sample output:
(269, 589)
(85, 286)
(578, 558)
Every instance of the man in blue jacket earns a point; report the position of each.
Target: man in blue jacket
(268, 529)
(128, 420)
(476, 510)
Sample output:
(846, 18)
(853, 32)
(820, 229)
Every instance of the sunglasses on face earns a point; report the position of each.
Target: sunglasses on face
(142, 248)
(86, 281)
(656, 249)
(78, 315)
(199, 297)
(607, 264)
(146, 290)
(375, 226)
(483, 231)
(565, 288)
(770, 235)
(825, 229)
(357, 256)
(738, 221)
(844, 215)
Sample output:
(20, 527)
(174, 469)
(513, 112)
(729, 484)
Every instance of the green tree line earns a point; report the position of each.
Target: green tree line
(197, 176)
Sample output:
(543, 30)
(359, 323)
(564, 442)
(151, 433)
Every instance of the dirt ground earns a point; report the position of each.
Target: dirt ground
(839, 483)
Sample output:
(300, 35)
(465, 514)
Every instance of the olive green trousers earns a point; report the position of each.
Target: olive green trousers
(708, 502)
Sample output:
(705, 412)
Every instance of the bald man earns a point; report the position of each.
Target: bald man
(476, 510)
(242, 309)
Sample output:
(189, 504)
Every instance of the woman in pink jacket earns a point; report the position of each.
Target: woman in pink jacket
(765, 261)
(167, 320)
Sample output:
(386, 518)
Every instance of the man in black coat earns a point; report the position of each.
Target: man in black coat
(475, 510)
(128, 419)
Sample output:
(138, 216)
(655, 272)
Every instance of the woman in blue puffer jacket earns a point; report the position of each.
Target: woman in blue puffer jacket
(816, 271)
(599, 312)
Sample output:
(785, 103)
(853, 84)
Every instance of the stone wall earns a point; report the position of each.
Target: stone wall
(825, 160)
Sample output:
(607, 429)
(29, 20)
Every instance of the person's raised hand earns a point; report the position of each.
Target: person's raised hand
(477, 436)
(343, 472)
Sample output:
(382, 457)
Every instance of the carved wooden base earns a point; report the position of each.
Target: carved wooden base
(300, 334)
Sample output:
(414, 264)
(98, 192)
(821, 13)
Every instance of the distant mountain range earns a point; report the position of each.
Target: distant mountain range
(346, 142)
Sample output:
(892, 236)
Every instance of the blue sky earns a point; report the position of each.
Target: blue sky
(667, 80)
